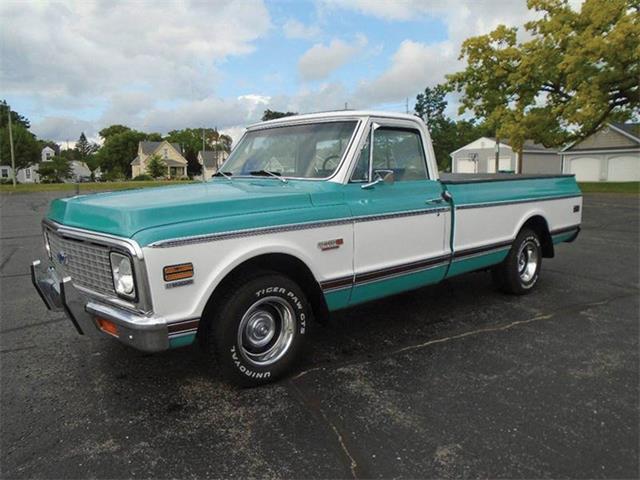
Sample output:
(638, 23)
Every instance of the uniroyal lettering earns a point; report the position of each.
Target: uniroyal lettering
(244, 369)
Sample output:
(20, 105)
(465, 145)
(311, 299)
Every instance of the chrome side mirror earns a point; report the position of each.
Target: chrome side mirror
(381, 176)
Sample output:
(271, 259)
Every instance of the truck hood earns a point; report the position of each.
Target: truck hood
(129, 213)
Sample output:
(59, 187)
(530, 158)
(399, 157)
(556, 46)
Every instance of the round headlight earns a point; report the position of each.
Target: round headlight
(122, 275)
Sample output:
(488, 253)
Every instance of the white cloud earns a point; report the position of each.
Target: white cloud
(84, 49)
(63, 129)
(414, 66)
(292, 28)
(320, 61)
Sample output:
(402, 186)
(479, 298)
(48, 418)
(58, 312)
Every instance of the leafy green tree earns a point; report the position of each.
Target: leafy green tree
(447, 135)
(156, 166)
(191, 141)
(85, 148)
(118, 150)
(16, 118)
(273, 114)
(107, 132)
(56, 170)
(25, 146)
(430, 105)
(573, 72)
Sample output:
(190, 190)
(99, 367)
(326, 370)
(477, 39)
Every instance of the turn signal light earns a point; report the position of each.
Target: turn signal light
(107, 326)
(177, 272)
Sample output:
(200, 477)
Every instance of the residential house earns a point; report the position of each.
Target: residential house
(479, 156)
(211, 161)
(171, 153)
(29, 174)
(610, 155)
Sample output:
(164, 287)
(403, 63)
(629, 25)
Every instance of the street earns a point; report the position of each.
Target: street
(456, 380)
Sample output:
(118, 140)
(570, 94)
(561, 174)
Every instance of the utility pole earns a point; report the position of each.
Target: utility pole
(346, 106)
(203, 159)
(497, 153)
(407, 105)
(13, 157)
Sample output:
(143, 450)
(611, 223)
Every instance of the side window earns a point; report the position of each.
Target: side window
(361, 172)
(399, 150)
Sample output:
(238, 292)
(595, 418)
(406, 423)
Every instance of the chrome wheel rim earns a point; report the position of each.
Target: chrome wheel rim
(528, 258)
(266, 331)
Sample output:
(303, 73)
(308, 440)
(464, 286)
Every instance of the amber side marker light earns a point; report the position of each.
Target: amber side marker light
(177, 272)
(107, 326)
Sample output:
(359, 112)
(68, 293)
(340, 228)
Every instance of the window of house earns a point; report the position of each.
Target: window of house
(27, 173)
(4, 173)
(166, 153)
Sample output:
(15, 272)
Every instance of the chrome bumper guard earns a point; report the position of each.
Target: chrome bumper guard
(146, 333)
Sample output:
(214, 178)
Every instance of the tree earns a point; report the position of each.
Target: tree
(446, 134)
(156, 166)
(25, 146)
(574, 72)
(56, 170)
(430, 105)
(190, 139)
(273, 114)
(119, 149)
(16, 118)
(107, 132)
(85, 148)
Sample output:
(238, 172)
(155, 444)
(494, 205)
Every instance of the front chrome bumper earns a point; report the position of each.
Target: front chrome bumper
(146, 333)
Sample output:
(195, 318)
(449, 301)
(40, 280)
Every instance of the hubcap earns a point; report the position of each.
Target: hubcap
(266, 331)
(528, 261)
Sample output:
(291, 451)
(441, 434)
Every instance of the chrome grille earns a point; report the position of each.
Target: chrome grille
(86, 263)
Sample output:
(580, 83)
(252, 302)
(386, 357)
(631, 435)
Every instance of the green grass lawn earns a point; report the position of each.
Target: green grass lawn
(604, 187)
(84, 187)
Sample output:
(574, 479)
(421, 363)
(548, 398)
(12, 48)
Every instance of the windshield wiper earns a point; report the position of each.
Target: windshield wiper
(220, 173)
(264, 173)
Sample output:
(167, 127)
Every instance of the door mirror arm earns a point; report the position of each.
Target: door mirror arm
(382, 176)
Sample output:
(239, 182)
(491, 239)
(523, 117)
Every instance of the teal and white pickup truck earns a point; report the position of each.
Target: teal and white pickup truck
(308, 215)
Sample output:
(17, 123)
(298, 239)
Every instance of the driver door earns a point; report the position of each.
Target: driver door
(400, 226)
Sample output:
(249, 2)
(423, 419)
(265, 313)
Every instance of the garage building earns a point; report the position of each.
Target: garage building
(479, 156)
(609, 155)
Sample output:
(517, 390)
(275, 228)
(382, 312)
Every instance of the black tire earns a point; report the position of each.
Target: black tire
(520, 271)
(267, 302)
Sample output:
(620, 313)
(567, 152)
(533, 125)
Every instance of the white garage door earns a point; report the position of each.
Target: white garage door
(625, 168)
(465, 166)
(586, 169)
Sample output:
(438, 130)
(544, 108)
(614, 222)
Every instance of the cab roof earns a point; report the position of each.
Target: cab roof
(337, 114)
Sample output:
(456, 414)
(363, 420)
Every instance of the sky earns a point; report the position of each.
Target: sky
(78, 66)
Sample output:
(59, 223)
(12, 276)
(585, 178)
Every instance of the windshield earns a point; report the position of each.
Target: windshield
(300, 151)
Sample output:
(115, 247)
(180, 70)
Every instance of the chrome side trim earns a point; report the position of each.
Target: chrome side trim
(514, 202)
(250, 232)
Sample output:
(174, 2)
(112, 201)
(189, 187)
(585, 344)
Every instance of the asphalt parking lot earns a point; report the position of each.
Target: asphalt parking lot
(450, 381)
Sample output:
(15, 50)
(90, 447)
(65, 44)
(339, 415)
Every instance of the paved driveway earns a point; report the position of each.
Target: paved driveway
(450, 381)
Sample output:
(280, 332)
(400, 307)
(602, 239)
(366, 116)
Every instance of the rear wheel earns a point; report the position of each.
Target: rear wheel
(520, 271)
(258, 329)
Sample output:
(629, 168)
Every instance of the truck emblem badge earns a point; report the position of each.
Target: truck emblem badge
(330, 244)
(62, 257)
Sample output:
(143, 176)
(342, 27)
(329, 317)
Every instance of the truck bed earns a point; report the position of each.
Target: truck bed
(458, 178)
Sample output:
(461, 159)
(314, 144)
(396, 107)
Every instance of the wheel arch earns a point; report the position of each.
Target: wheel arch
(538, 224)
(285, 263)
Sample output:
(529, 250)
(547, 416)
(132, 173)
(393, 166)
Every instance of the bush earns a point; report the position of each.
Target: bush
(141, 178)
(6, 181)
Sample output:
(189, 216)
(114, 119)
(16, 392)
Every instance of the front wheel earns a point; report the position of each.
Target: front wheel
(259, 328)
(520, 271)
